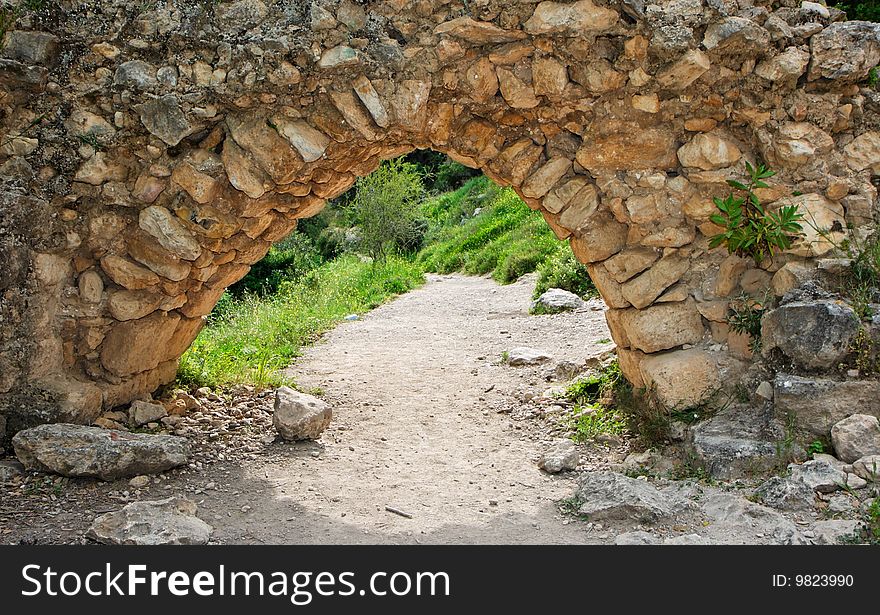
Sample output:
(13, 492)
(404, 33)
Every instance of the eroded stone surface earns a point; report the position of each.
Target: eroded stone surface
(77, 450)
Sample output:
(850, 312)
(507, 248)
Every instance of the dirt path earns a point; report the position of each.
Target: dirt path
(415, 428)
(427, 420)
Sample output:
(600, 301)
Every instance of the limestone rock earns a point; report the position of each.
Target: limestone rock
(786, 494)
(135, 74)
(663, 326)
(341, 55)
(241, 15)
(201, 187)
(82, 123)
(309, 142)
(364, 89)
(856, 436)
(684, 71)
(147, 251)
(636, 538)
(819, 403)
(549, 77)
(139, 345)
(267, 147)
(730, 514)
(410, 104)
(526, 356)
(578, 215)
(133, 304)
(629, 148)
(558, 300)
(787, 66)
(30, 47)
(845, 51)
(169, 232)
(143, 412)
(299, 416)
(736, 442)
(128, 274)
(818, 475)
(681, 378)
(171, 521)
(482, 80)
(868, 468)
(244, 174)
(77, 450)
(642, 290)
(518, 94)
(614, 497)
(164, 119)
(602, 237)
(546, 177)
(478, 32)
(631, 261)
(814, 334)
(798, 143)
(837, 531)
(709, 151)
(570, 19)
(100, 169)
(736, 35)
(864, 152)
(561, 455)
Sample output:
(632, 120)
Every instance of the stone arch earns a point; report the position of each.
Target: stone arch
(150, 158)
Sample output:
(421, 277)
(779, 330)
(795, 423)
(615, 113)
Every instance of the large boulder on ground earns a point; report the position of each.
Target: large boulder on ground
(299, 416)
(78, 450)
(527, 356)
(615, 497)
(171, 521)
(819, 475)
(786, 494)
(736, 442)
(557, 300)
(735, 520)
(561, 455)
(815, 334)
(837, 531)
(856, 436)
(818, 403)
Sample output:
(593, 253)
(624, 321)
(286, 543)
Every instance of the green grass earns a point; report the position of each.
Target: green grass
(505, 238)
(594, 413)
(250, 339)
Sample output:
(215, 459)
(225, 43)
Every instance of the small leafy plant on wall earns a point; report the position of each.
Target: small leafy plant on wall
(751, 230)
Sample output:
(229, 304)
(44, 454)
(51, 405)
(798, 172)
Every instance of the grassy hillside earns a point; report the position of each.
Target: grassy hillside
(482, 228)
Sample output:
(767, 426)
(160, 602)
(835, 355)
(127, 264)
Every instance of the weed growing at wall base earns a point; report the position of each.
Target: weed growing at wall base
(251, 339)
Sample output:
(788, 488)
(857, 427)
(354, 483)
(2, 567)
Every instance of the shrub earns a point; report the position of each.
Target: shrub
(385, 209)
(287, 260)
(749, 228)
(563, 270)
(745, 318)
(505, 237)
(862, 10)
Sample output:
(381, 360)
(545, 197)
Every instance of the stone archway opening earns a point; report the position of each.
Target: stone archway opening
(142, 179)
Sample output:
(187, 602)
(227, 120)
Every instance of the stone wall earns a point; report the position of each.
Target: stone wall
(151, 152)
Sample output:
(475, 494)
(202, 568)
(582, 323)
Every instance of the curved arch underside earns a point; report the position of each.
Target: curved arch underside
(150, 158)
